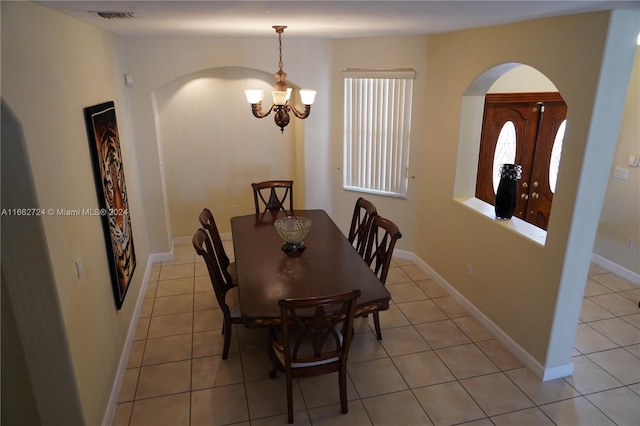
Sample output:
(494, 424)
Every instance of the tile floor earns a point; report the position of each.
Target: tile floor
(435, 365)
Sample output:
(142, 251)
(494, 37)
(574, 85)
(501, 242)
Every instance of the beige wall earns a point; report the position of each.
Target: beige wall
(522, 79)
(388, 52)
(620, 217)
(156, 63)
(213, 149)
(53, 67)
(448, 235)
(517, 282)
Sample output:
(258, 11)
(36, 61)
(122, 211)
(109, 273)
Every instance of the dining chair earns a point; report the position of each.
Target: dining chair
(314, 339)
(379, 252)
(363, 214)
(279, 191)
(226, 295)
(228, 268)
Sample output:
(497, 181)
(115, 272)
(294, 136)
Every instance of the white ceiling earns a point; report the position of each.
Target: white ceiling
(320, 18)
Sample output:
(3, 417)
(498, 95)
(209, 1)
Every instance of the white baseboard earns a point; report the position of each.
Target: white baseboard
(615, 268)
(182, 240)
(510, 345)
(161, 257)
(402, 254)
(516, 350)
(557, 372)
(126, 350)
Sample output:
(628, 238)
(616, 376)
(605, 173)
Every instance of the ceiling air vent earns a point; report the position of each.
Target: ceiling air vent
(116, 15)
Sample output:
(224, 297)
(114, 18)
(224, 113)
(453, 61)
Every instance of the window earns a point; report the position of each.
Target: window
(505, 151)
(556, 152)
(377, 125)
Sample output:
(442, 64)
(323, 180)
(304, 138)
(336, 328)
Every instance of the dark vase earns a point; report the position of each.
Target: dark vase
(506, 195)
(506, 198)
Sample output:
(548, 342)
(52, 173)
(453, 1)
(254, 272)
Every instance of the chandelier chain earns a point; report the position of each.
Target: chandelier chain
(280, 45)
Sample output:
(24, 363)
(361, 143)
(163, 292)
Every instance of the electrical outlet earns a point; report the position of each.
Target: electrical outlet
(630, 242)
(469, 269)
(235, 208)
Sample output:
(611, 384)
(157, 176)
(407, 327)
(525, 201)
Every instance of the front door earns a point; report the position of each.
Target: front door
(525, 129)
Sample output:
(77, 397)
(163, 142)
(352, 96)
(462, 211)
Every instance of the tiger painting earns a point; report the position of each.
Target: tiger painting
(112, 195)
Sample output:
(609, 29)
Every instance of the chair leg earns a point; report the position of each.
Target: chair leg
(226, 331)
(289, 399)
(376, 323)
(342, 377)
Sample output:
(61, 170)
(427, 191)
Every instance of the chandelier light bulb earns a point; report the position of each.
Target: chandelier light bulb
(254, 96)
(307, 96)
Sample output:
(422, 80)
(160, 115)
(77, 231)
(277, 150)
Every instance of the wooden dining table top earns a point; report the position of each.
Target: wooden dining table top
(328, 265)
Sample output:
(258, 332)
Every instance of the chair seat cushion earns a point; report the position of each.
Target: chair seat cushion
(233, 302)
(305, 350)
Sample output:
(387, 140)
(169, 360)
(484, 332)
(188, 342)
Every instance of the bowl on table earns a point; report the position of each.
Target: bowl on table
(293, 229)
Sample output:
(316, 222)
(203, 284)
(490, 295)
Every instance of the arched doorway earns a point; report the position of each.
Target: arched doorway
(212, 148)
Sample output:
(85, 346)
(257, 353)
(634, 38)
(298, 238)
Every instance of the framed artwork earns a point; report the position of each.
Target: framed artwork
(104, 144)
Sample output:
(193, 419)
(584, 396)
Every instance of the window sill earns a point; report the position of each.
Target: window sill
(514, 224)
(373, 191)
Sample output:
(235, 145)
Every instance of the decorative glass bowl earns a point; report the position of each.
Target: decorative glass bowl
(293, 229)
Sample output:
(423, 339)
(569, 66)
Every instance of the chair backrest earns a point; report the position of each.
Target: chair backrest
(279, 191)
(208, 222)
(382, 239)
(311, 332)
(204, 247)
(363, 214)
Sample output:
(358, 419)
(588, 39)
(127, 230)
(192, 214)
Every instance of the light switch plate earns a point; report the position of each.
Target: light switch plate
(128, 80)
(621, 173)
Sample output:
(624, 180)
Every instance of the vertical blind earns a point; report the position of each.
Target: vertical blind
(377, 125)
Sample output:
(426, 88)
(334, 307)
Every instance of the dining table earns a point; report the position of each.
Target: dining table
(328, 265)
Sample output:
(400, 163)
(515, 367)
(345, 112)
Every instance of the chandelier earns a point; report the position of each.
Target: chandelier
(281, 104)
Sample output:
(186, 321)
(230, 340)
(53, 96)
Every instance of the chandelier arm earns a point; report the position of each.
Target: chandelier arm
(304, 114)
(256, 109)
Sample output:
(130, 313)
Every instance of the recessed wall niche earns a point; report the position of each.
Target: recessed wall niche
(212, 148)
(504, 78)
